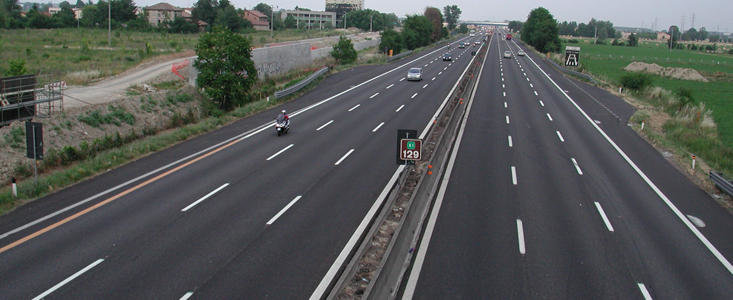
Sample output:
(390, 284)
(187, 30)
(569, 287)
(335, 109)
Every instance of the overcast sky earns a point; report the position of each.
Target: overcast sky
(712, 14)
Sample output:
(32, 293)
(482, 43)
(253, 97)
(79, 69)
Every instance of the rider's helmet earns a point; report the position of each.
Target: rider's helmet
(283, 111)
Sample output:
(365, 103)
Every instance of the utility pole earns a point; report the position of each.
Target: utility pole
(109, 23)
(595, 35)
(370, 22)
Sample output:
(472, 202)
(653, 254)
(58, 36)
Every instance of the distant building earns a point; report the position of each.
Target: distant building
(662, 36)
(257, 18)
(341, 7)
(162, 12)
(311, 19)
(53, 10)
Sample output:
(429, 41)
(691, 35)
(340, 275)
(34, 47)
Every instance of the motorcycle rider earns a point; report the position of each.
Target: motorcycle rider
(283, 116)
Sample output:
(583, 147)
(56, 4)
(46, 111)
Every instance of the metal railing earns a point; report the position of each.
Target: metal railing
(296, 87)
(723, 184)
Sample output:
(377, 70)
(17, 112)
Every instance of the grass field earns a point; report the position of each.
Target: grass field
(607, 62)
(79, 56)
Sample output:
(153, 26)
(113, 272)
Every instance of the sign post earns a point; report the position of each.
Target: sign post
(572, 56)
(34, 144)
(407, 134)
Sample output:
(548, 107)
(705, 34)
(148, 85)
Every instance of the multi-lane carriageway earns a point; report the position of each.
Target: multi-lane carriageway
(236, 212)
(544, 199)
(538, 202)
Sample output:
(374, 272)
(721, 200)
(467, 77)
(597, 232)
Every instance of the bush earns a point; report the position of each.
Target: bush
(684, 95)
(636, 81)
(344, 51)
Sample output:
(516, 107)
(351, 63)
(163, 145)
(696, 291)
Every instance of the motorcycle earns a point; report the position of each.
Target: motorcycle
(282, 125)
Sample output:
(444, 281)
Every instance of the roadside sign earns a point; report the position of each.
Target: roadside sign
(410, 149)
(34, 140)
(572, 56)
(407, 134)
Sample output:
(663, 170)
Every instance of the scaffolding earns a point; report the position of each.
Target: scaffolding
(23, 98)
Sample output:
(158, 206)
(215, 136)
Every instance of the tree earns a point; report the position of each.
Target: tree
(463, 28)
(366, 19)
(567, 28)
(452, 13)
(290, 22)
(674, 36)
(515, 26)
(38, 20)
(65, 17)
(79, 4)
(416, 31)
(205, 10)
(123, 10)
(540, 31)
(181, 25)
(633, 40)
(391, 40)
(226, 69)
(227, 16)
(265, 10)
(702, 34)
(436, 19)
(344, 51)
(16, 67)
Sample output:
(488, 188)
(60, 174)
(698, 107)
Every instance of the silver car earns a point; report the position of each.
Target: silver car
(414, 74)
(520, 53)
(507, 54)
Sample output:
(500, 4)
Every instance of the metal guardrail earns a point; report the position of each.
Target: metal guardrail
(401, 55)
(571, 72)
(296, 87)
(723, 184)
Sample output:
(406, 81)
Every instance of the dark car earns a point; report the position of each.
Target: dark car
(447, 57)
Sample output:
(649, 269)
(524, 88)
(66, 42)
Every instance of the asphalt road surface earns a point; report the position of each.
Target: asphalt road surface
(539, 204)
(237, 213)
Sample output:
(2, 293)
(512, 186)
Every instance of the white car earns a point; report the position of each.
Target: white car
(414, 74)
(507, 54)
(520, 53)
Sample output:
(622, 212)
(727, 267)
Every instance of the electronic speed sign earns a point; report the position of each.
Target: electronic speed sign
(410, 149)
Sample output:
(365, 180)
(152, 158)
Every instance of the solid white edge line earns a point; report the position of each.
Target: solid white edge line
(186, 296)
(204, 197)
(343, 157)
(399, 108)
(324, 125)
(520, 237)
(67, 280)
(427, 235)
(514, 175)
(282, 211)
(560, 136)
(240, 137)
(644, 291)
(510, 141)
(355, 106)
(378, 126)
(604, 217)
(648, 181)
(279, 152)
(577, 167)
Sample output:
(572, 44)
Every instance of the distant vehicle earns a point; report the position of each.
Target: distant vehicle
(507, 54)
(414, 74)
(447, 57)
(520, 53)
(461, 45)
(508, 36)
(477, 43)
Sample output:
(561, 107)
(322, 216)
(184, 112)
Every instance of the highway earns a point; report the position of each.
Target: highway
(546, 199)
(236, 212)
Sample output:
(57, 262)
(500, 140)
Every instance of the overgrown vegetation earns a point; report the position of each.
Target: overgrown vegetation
(116, 115)
(343, 51)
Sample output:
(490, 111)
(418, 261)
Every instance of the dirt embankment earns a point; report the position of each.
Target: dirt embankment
(677, 73)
